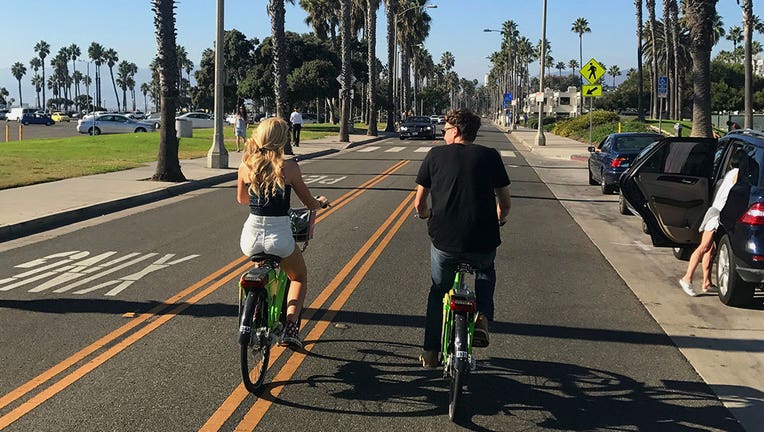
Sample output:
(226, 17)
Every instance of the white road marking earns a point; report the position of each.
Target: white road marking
(395, 149)
(368, 149)
(422, 150)
(508, 153)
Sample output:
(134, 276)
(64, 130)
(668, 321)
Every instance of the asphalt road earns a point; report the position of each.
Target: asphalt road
(34, 131)
(152, 346)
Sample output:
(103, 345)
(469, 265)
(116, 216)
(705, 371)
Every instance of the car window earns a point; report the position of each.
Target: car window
(689, 160)
(749, 167)
(633, 143)
(606, 145)
(420, 119)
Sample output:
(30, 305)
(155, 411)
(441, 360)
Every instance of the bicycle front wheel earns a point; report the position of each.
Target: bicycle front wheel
(256, 353)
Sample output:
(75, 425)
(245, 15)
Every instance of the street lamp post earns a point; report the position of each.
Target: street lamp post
(395, 67)
(540, 139)
(217, 156)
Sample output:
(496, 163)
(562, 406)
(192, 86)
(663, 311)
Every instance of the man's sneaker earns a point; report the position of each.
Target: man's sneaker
(481, 332)
(291, 336)
(687, 288)
(429, 359)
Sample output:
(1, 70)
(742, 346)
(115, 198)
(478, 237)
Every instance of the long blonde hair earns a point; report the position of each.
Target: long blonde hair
(264, 156)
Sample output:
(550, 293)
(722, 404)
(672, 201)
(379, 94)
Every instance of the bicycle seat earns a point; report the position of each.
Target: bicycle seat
(262, 256)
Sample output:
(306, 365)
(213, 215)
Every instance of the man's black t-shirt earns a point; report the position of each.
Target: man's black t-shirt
(462, 179)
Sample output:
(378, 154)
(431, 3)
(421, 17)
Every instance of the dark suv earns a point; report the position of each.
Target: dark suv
(673, 185)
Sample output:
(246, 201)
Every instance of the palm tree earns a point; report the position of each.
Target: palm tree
(38, 85)
(125, 72)
(18, 71)
(95, 52)
(391, 9)
(640, 79)
(168, 165)
(371, 42)
(677, 72)
(560, 66)
(573, 65)
(111, 58)
(614, 71)
(735, 35)
(145, 89)
(42, 49)
(699, 16)
(346, 71)
(278, 13)
(654, 57)
(413, 29)
(4, 94)
(748, 63)
(322, 18)
(581, 26)
(74, 54)
(668, 49)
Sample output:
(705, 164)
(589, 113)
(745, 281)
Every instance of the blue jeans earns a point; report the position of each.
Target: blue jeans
(443, 269)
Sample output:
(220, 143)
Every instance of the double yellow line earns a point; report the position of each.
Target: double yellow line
(158, 315)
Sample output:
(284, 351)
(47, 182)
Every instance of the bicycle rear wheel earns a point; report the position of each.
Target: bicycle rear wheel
(256, 353)
(459, 366)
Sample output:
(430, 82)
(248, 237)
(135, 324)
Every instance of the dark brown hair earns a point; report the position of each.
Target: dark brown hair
(465, 122)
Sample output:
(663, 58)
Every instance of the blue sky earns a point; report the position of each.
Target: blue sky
(457, 26)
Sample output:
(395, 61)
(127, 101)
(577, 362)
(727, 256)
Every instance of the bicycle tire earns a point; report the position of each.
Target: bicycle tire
(459, 367)
(257, 353)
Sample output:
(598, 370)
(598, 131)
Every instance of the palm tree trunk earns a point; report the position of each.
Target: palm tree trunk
(677, 92)
(390, 10)
(640, 77)
(654, 60)
(278, 12)
(168, 165)
(371, 24)
(345, 119)
(699, 14)
(748, 64)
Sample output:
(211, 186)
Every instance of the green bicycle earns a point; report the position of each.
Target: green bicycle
(262, 304)
(457, 333)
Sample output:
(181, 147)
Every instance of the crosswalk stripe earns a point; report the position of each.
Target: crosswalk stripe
(507, 153)
(422, 150)
(394, 149)
(368, 149)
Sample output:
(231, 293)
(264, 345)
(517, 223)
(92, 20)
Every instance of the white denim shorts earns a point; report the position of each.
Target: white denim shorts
(269, 234)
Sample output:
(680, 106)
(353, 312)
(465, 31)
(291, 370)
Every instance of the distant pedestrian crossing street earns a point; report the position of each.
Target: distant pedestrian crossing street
(422, 149)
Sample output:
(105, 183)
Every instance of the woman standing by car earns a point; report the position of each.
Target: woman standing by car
(240, 127)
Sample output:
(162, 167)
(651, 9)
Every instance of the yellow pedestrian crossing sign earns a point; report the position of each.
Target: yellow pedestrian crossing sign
(590, 90)
(592, 71)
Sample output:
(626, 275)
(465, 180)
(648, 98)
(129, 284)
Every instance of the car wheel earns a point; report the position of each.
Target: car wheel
(401, 138)
(25, 123)
(94, 131)
(156, 125)
(623, 208)
(683, 253)
(140, 129)
(733, 290)
(592, 182)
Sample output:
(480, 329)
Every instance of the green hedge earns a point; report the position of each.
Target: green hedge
(570, 127)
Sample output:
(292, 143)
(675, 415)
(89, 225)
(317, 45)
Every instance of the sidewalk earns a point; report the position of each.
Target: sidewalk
(36, 208)
(556, 147)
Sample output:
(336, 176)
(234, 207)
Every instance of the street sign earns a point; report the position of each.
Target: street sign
(663, 86)
(507, 99)
(592, 71)
(352, 79)
(591, 90)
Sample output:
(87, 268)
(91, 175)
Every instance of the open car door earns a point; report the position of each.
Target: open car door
(670, 187)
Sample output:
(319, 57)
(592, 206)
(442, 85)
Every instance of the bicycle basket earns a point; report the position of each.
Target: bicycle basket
(302, 221)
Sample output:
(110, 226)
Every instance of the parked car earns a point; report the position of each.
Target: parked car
(3, 113)
(17, 112)
(673, 185)
(37, 118)
(112, 123)
(417, 127)
(59, 117)
(230, 119)
(613, 155)
(308, 118)
(198, 119)
(435, 119)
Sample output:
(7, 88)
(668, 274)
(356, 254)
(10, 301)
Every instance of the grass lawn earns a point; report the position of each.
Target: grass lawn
(42, 160)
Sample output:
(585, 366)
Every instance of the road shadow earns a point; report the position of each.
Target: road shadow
(384, 379)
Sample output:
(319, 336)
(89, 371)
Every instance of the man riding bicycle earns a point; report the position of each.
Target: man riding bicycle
(469, 190)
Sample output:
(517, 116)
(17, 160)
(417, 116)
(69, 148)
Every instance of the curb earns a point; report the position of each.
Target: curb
(57, 220)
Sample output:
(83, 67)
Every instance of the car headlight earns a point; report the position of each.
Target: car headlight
(428, 128)
(404, 128)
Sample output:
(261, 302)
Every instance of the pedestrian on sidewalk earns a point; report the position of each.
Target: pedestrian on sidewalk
(465, 182)
(240, 128)
(296, 120)
(265, 182)
(732, 126)
(705, 251)
(678, 129)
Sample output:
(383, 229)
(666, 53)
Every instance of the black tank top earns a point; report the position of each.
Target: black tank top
(271, 205)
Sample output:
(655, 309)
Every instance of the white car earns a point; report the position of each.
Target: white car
(112, 123)
(230, 119)
(198, 119)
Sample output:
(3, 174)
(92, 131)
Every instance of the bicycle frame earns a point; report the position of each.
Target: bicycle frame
(274, 286)
(459, 300)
